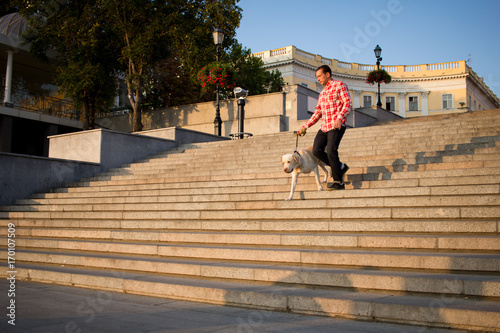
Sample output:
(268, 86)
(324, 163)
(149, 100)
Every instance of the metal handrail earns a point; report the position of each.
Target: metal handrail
(57, 107)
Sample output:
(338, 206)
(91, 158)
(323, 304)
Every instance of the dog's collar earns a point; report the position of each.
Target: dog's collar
(297, 152)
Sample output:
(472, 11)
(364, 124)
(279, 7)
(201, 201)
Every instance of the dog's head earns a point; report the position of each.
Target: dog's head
(290, 162)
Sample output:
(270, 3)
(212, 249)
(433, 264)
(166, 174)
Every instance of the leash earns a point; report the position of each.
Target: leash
(296, 143)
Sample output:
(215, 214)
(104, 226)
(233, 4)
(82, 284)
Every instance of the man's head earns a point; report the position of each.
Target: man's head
(323, 74)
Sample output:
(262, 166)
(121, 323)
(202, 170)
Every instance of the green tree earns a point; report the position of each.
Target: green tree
(84, 49)
(251, 74)
(141, 27)
(173, 81)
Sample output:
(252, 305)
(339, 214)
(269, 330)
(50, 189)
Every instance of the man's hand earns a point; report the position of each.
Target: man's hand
(302, 131)
(337, 124)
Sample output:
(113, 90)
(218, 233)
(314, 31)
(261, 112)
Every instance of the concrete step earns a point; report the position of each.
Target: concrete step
(454, 312)
(352, 279)
(358, 258)
(415, 226)
(346, 148)
(329, 240)
(239, 194)
(269, 210)
(416, 230)
(446, 174)
(454, 206)
(267, 165)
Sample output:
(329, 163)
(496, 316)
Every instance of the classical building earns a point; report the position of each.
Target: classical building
(415, 90)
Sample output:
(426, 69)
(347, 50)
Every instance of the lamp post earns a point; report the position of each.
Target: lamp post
(218, 35)
(378, 52)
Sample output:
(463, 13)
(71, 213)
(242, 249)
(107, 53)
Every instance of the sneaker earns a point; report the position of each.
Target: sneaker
(336, 186)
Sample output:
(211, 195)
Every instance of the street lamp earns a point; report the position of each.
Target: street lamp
(378, 52)
(218, 35)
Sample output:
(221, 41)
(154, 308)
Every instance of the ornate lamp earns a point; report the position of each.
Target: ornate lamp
(378, 53)
(218, 35)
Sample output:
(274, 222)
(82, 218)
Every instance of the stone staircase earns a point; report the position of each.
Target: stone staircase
(413, 239)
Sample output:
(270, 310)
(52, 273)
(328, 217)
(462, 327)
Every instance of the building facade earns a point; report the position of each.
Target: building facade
(415, 90)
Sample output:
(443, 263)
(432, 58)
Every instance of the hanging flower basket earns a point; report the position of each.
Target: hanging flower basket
(378, 76)
(216, 75)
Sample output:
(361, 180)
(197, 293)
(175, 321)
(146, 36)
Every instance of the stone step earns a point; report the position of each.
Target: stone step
(454, 312)
(416, 230)
(204, 186)
(239, 194)
(401, 241)
(357, 258)
(358, 170)
(388, 156)
(457, 176)
(253, 202)
(432, 170)
(346, 149)
(374, 280)
(271, 210)
(416, 226)
(265, 164)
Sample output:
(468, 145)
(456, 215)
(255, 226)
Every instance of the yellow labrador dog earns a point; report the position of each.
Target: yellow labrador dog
(303, 161)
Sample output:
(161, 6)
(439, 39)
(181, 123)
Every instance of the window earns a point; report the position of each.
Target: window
(413, 103)
(390, 103)
(367, 101)
(447, 101)
(475, 105)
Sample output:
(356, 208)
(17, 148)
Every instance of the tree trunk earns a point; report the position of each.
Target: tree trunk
(86, 107)
(135, 100)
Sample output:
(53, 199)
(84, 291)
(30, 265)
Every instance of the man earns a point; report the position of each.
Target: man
(334, 104)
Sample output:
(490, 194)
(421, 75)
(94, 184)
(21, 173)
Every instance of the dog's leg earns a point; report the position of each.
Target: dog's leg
(316, 176)
(326, 172)
(295, 175)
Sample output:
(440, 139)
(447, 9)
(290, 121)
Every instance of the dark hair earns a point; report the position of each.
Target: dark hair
(325, 69)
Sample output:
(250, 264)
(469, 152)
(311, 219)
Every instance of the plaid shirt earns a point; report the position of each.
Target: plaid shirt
(334, 103)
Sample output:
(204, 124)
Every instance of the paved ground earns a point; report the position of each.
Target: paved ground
(52, 309)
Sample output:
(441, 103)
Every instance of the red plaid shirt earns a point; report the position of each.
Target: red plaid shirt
(334, 103)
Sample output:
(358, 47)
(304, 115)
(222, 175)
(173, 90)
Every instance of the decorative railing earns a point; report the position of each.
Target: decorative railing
(344, 65)
(48, 105)
(390, 68)
(446, 65)
(413, 68)
(395, 70)
(366, 67)
(259, 55)
(305, 54)
(326, 61)
(278, 52)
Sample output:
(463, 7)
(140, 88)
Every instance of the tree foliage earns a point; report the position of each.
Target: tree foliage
(159, 47)
(84, 48)
(251, 74)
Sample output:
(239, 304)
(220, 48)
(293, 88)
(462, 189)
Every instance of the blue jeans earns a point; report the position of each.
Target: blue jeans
(326, 147)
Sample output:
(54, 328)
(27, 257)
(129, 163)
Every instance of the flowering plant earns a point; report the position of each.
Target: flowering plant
(215, 75)
(378, 76)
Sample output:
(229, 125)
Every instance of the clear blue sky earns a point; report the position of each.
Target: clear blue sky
(410, 32)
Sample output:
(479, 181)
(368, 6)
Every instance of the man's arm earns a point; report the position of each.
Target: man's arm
(345, 104)
(313, 120)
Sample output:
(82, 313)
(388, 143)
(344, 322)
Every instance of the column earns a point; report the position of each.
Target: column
(425, 103)
(8, 79)
(402, 104)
